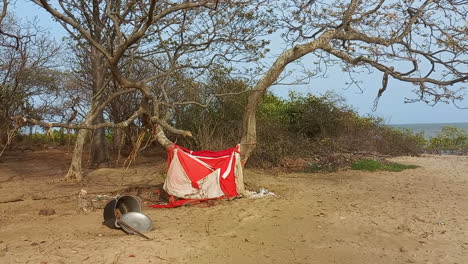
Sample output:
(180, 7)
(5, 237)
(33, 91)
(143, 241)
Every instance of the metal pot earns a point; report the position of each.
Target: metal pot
(125, 204)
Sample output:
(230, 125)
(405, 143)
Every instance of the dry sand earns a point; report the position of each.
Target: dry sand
(415, 216)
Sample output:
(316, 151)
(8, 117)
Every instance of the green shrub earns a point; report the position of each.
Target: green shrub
(56, 138)
(374, 165)
(450, 140)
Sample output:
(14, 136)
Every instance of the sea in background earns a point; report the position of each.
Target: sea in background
(430, 130)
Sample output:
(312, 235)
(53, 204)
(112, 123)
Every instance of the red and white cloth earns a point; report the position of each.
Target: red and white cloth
(202, 175)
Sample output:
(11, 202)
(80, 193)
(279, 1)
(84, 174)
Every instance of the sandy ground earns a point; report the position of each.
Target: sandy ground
(415, 216)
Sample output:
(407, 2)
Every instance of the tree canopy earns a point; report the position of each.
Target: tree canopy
(154, 56)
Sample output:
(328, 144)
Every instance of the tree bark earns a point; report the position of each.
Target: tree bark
(162, 138)
(99, 151)
(99, 148)
(75, 172)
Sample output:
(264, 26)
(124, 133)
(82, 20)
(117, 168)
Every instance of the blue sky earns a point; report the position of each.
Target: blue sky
(391, 106)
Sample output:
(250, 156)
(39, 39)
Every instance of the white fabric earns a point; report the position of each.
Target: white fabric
(178, 184)
(229, 168)
(209, 186)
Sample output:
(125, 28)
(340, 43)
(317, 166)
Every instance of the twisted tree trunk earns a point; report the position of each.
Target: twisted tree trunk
(249, 122)
(75, 172)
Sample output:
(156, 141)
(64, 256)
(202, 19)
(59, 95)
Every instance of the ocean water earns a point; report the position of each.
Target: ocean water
(430, 130)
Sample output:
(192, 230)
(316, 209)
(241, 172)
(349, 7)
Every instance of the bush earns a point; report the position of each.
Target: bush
(451, 140)
(307, 125)
(56, 138)
(395, 142)
(301, 127)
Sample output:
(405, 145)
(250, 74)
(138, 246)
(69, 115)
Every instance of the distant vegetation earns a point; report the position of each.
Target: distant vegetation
(309, 133)
(451, 140)
(302, 132)
(54, 139)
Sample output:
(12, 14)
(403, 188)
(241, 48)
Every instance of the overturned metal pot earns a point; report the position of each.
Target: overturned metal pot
(125, 212)
(125, 204)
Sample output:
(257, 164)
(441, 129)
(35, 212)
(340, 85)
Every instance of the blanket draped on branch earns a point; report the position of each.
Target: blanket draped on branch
(201, 175)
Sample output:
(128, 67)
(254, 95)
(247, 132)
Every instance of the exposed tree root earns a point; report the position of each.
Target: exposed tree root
(132, 157)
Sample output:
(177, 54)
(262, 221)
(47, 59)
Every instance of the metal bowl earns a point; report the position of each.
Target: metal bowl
(125, 204)
(138, 221)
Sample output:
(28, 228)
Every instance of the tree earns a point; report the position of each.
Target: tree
(28, 80)
(93, 71)
(418, 42)
(167, 35)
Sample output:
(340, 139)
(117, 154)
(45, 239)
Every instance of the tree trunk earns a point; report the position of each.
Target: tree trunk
(99, 146)
(162, 138)
(75, 172)
(249, 122)
(3, 138)
(240, 187)
(118, 143)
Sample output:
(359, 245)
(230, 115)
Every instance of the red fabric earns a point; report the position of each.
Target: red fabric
(228, 185)
(209, 153)
(194, 169)
(177, 203)
(214, 159)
